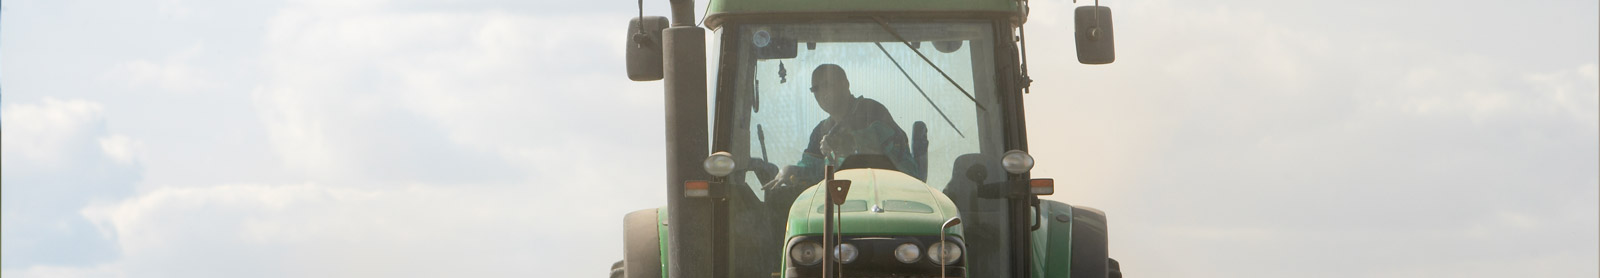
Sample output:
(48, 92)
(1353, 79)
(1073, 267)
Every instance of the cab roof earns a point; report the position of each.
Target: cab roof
(719, 10)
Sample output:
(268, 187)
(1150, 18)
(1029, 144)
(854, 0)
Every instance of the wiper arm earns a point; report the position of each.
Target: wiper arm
(897, 36)
(919, 90)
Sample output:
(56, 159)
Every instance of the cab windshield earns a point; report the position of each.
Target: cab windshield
(919, 97)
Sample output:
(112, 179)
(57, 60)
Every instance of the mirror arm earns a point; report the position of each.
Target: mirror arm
(682, 12)
(1022, 37)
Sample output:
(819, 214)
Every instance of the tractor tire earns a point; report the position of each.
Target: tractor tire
(641, 245)
(1089, 243)
(616, 270)
(1115, 268)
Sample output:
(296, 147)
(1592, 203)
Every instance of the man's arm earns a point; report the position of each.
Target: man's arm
(808, 170)
(811, 161)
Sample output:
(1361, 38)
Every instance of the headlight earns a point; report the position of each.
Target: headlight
(944, 253)
(806, 253)
(719, 164)
(907, 253)
(846, 252)
(1017, 162)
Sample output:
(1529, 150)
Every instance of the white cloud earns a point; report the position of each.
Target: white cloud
(321, 231)
(1228, 129)
(120, 148)
(61, 272)
(1572, 92)
(54, 166)
(311, 230)
(38, 133)
(175, 73)
(175, 9)
(433, 143)
(491, 85)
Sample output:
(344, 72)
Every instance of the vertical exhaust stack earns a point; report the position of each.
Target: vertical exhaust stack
(690, 230)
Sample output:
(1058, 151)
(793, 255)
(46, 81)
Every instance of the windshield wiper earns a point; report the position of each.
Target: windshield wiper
(919, 90)
(897, 36)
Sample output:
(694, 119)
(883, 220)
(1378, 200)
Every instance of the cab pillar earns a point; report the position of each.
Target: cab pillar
(689, 220)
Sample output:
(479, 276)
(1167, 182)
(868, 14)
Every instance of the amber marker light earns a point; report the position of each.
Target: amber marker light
(696, 188)
(1042, 186)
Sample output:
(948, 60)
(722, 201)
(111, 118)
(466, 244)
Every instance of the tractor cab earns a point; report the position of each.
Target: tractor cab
(917, 104)
(917, 96)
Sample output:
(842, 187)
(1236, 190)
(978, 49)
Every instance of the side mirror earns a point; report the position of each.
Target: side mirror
(644, 47)
(1093, 28)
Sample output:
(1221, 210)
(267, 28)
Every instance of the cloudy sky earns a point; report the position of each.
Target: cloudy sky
(481, 138)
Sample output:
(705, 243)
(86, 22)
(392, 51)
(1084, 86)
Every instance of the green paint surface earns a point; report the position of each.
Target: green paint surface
(661, 229)
(736, 6)
(875, 187)
(720, 8)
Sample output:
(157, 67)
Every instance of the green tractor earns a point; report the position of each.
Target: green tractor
(854, 138)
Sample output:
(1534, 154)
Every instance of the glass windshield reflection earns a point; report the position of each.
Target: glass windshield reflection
(808, 96)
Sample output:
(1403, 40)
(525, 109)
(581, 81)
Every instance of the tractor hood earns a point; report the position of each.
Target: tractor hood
(881, 202)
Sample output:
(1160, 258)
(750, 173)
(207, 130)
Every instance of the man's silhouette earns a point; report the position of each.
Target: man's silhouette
(855, 125)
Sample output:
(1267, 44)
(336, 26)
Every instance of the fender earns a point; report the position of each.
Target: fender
(1072, 242)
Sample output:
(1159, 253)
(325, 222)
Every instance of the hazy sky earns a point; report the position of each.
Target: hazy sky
(479, 138)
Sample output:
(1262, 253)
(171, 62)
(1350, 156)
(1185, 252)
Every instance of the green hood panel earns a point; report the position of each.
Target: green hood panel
(874, 187)
(778, 6)
(717, 10)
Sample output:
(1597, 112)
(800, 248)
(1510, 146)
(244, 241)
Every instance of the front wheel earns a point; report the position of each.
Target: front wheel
(616, 270)
(1113, 268)
(641, 246)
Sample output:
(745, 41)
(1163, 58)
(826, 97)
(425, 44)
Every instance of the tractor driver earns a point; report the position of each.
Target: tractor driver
(855, 125)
